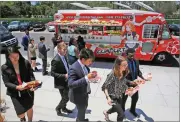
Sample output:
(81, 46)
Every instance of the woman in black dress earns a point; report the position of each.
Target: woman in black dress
(15, 72)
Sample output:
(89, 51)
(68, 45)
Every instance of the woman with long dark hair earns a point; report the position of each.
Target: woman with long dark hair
(81, 43)
(15, 72)
(115, 86)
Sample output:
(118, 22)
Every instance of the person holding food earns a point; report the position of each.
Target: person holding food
(79, 79)
(15, 73)
(115, 86)
(134, 72)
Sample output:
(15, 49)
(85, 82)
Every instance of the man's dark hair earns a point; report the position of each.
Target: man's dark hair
(42, 38)
(130, 50)
(86, 54)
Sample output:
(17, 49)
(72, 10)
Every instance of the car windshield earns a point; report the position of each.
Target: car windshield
(14, 23)
(3, 32)
(178, 25)
(24, 23)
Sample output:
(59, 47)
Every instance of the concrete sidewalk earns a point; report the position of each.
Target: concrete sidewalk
(158, 99)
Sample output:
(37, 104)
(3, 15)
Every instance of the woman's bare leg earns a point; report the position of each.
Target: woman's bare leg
(30, 114)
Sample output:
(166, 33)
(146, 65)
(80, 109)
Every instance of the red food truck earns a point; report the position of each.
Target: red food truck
(110, 32)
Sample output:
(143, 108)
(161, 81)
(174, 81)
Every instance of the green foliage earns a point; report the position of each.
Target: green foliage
(173, 21)
(45, 20)
(49, 8)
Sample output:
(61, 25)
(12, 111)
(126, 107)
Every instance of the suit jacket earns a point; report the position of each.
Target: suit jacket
(42, 50)
(10, 79)
(138, 72)
(58, 71)
(77, 83)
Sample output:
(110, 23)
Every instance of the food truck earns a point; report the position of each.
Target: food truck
(110, 33)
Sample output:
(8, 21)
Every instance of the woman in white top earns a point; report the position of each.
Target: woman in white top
(73, 52)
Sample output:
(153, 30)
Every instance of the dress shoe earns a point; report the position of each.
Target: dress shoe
(85, 120)
(46, 73)
(59, 113)
(36, 69)
(67, 110)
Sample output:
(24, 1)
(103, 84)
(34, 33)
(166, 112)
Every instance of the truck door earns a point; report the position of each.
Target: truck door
(150, 36)
(167, 46)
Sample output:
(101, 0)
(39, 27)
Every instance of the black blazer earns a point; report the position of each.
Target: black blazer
(77, 83)
(58, 71)
(138, 72)
(10, 79)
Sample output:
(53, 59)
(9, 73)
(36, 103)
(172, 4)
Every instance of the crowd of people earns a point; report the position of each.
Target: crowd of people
(72, 77)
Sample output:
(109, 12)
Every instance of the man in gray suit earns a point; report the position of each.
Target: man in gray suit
(43, 54)
(79, 78)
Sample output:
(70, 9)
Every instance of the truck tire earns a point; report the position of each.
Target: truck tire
(161, 58)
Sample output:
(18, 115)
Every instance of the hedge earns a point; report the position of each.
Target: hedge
(173, 21)
(45, 20)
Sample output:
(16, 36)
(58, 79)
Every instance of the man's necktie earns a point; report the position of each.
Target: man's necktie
(88, 84)
(65, 64)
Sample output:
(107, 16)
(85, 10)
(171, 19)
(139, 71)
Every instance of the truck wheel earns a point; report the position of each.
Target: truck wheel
(160, 58)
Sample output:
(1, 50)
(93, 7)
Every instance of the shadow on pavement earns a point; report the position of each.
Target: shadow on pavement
(74, 114)
(108, 63)
(140, 112)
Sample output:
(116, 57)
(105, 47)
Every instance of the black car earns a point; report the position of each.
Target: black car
(4, 23)
(25, 25)
(39, 26)
(6, 38)
(174, 29)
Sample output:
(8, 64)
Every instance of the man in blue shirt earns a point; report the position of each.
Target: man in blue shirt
(25, 40)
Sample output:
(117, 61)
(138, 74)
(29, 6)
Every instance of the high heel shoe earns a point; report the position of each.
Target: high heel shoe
(106, 116)
(23, 119)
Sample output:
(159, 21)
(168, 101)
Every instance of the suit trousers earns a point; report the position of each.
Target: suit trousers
(44, 65)
(134, 100)
(64, 94)
(82, 107)
(117, 107)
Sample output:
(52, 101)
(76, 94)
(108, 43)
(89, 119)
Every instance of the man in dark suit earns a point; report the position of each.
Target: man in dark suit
(59, 70)
(79, 82)
(134, 69)
(43, 54)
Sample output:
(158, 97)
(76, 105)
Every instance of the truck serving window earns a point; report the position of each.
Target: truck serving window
(63, 29)
(97, 28)
(77, 29)
(150, 30)
(113, 30)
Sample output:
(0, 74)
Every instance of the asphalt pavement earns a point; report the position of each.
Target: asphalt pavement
(158, 99)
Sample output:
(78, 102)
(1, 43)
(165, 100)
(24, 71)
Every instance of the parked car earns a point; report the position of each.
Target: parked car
(174, 29)
(39, 26)
(25, 25)
(6, 38)
(51, 27)
(14, 26)
(4, 23)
